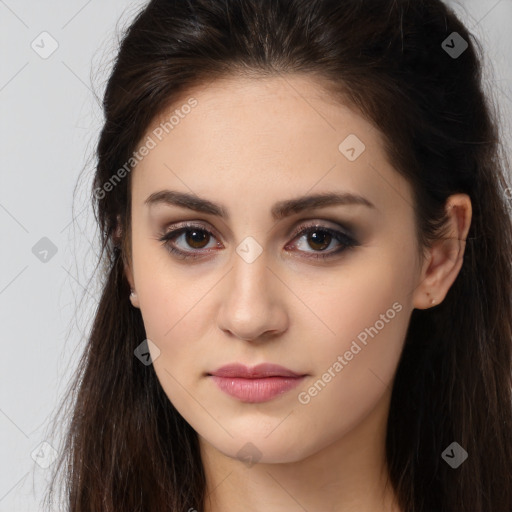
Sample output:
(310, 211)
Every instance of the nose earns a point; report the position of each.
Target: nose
(252, 304)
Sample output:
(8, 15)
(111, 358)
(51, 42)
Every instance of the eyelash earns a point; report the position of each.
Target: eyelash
(345, 240)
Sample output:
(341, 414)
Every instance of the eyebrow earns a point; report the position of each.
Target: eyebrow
(279, 211)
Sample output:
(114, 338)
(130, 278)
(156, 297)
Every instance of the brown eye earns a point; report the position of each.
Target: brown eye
(319, 240)
(189, 242)
(313, 240)
(194, 242)
(195, 238)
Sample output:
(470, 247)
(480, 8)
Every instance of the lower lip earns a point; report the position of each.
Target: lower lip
(256, 390)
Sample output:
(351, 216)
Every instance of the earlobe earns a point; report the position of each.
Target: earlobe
(134, 299)
(446, 255)
(126, 265)
(133, 294)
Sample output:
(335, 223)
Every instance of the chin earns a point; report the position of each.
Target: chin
(261, 448)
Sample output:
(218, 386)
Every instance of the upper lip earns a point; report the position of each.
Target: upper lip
(258, 371)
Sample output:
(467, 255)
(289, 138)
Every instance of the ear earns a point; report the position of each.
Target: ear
(445, 257)
(129, 276)
(126, 264)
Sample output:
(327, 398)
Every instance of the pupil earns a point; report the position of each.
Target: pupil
(320, 239)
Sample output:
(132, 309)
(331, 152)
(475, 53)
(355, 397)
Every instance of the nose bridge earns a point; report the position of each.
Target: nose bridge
(251, 305)
(250, 270)
(249, 279)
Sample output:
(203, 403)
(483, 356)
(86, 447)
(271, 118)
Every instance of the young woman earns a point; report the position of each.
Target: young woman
(306, 231)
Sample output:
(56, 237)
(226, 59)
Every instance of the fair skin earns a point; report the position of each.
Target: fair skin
(247, 145)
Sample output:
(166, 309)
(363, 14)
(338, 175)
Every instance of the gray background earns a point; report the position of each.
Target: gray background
(50, 120)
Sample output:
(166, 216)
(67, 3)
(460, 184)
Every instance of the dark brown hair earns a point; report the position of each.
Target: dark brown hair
(127, 449)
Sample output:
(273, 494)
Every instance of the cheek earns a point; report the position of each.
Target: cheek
(169, 303)
(353, 368)
(172, 319)
(367, 291)
(365, 316)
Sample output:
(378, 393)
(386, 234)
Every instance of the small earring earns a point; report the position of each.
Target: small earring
(132, 294)
(432, 301)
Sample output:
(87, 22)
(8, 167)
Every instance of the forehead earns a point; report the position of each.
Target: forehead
(264, 104)
(282, 134)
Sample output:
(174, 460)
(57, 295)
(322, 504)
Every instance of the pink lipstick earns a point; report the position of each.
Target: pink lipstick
(258, 384)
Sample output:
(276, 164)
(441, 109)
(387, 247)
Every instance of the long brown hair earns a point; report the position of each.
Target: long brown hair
(127, 448)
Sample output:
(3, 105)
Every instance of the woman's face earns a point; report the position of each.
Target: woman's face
(265, 275)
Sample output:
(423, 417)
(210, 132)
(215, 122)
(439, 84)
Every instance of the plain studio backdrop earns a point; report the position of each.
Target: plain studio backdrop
(55, 56)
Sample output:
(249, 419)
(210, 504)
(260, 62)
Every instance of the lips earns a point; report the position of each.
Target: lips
(258, 384)
(259, 371)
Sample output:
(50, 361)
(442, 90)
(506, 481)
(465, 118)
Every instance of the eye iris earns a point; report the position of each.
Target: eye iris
(196, 236)
(324, 239)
